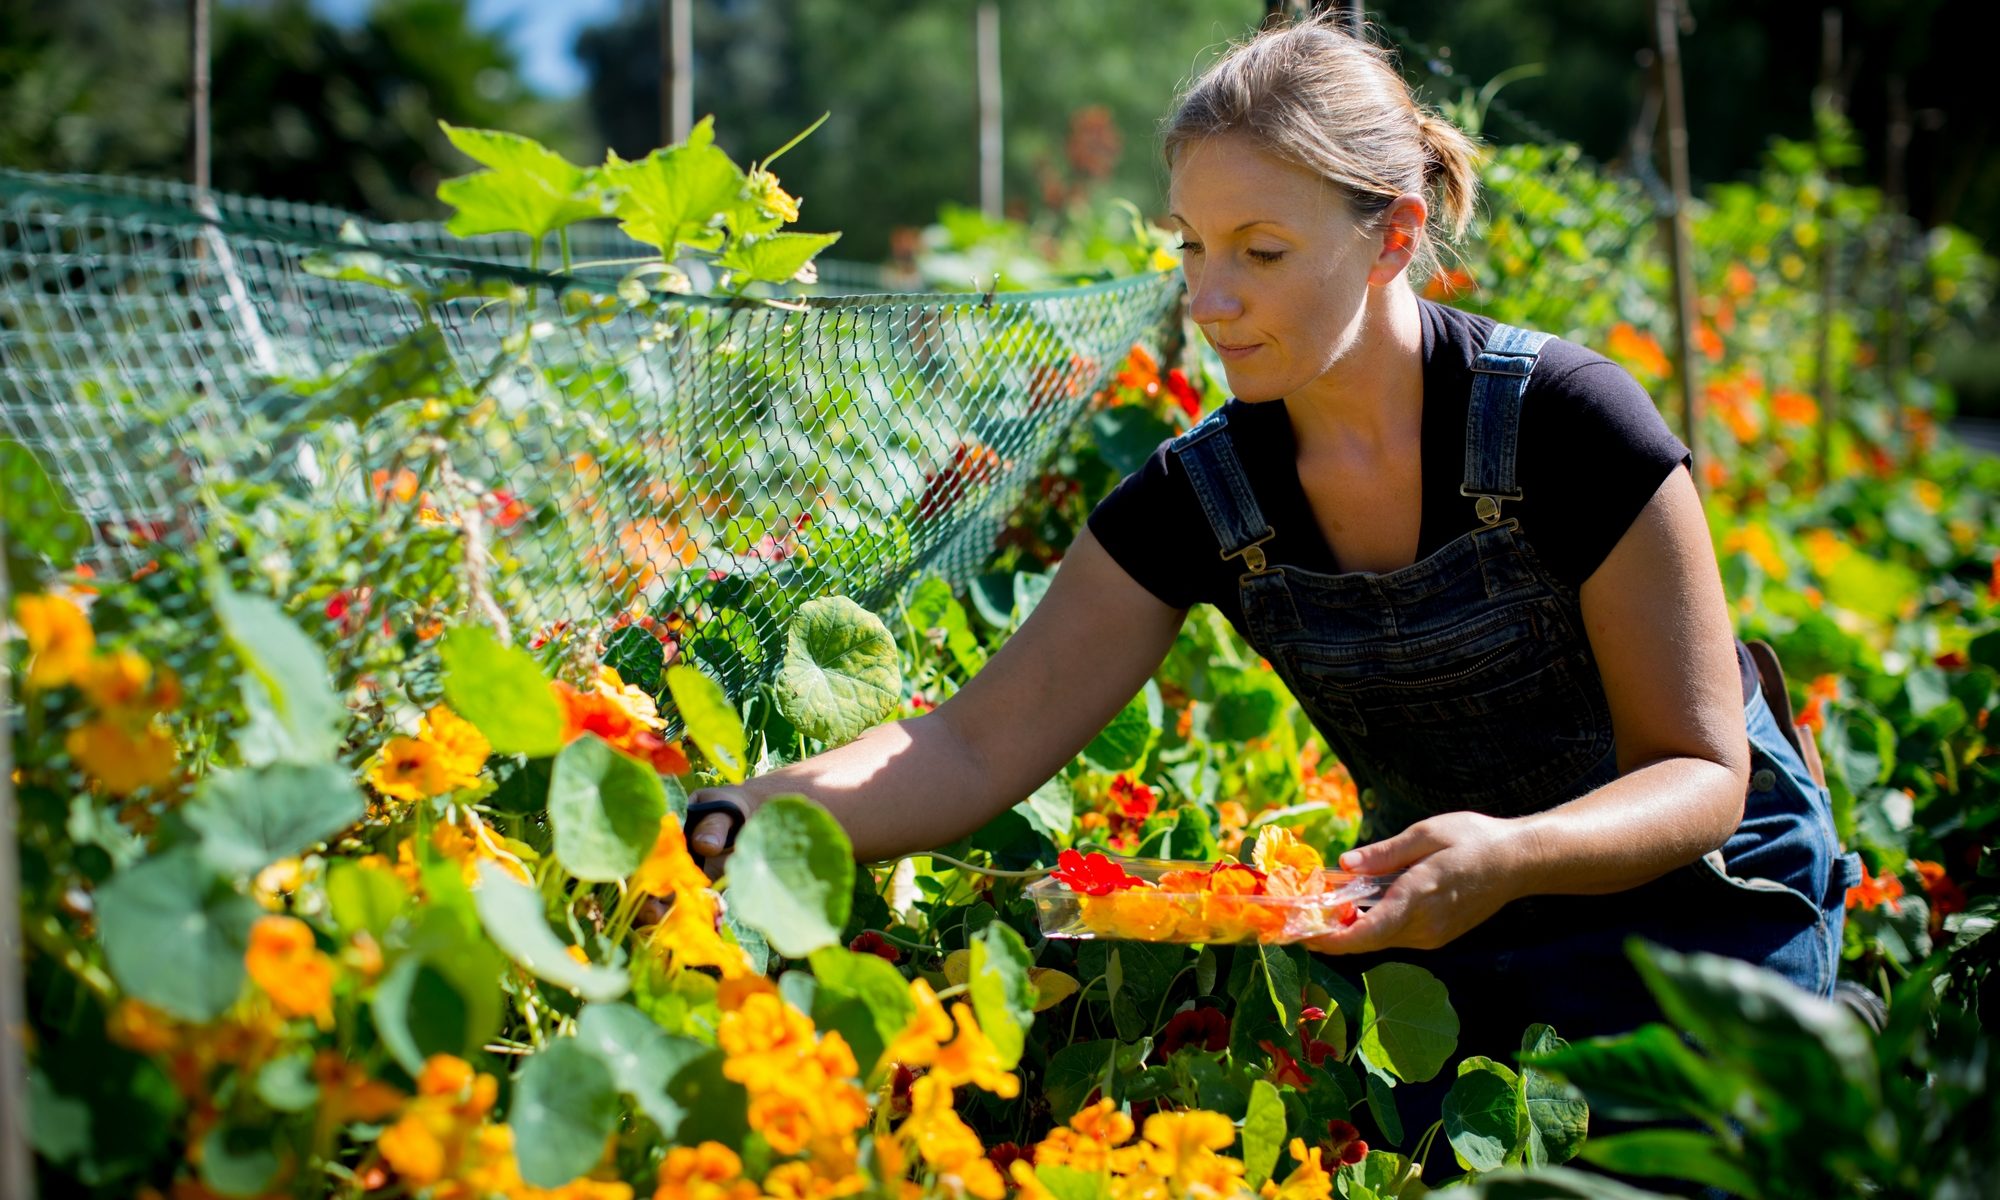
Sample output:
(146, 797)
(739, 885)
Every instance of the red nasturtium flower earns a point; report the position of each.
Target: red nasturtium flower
(1204, 1027)
(1344, 1144)
(1006, 1154)
(1093, 874)
(1184, 393)
(875, 944)
(1946, 896)
(1134, 800)
(1993, 584)
(1285, 1069)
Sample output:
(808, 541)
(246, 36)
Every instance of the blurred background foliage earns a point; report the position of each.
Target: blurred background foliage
(336, 101)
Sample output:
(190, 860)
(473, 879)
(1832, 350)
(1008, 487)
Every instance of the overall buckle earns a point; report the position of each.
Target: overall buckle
(1252, 554)
(1487, 504)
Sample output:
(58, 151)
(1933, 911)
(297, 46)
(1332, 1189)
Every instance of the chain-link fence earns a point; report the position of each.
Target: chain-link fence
(389, 429)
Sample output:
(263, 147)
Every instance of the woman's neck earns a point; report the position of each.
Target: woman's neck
(1372, 396)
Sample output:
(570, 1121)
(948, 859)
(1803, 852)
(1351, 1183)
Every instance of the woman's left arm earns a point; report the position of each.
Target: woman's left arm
(1659, 625)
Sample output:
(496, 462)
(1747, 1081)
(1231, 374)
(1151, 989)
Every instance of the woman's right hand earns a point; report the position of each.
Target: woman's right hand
(709, 838)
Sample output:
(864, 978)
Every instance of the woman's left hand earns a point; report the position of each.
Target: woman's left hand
(1458, 869)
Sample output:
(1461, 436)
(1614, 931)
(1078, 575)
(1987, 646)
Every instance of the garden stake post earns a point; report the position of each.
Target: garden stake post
(676, 71)
(198, 90)
(986, 46)
(16, 1180)
(1827, 100)
(1898, 355)
(1670, 20)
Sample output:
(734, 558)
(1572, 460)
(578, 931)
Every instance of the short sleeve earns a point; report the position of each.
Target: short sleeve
(1595, 450)
(1145, 524)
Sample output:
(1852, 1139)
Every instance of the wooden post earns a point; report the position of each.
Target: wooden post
(676, 70)
(1896, 360)
(1668, 19)
(1827, 98)
(17, 1176)
(198, 94)
(992, 149)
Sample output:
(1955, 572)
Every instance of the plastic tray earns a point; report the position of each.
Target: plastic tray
(1152, 914)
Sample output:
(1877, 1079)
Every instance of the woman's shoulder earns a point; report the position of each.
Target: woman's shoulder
(1570, 379)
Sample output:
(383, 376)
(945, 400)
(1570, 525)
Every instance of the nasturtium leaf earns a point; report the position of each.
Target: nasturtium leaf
(605, 808)
(1144, 971)
(841, 674)
(1408, 1025)
(715, 1107)
(791, 877)
(39, 519)
(1646, 1075)
(1003, 997)
(638, 656)
(1073, 1072)
(1696, 1156)
(773, 257)
(1052, 987)
(1382, 1104)
(1072, 1183)
(512, 914)
(1552, 1183)
(416, 365)
(565, 1105)
(175, 935)
(251, 817)
(295, 715)
(363, 898)
(1263, 1133)
(286, 1084)
(1122, 744)
(502, 691)
(1482, 1114)
(239, 1160)
(1050, 809)
(1558, 1117)
(526, 188)
(438, 997)
(1281, 974)
(712, 722)
(870, 981)
(675, 195)
(641, 1056)
(1812, 1052)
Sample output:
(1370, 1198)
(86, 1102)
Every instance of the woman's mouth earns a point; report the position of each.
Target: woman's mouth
(1233, 353)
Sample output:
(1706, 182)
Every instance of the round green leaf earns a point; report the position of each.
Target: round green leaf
(605, 808)
(1482, 1115)
(841, 674)
(1408, 1024)
(791, 877)
(867, 981)
(250, 818)
(712, 721)
(641, 1056)
(1003, 996)
(294, 714)
(239, 1160)
(439, 997)
(175, 935)
(512, 914)
(1263, 1133)
(565, 1106)
(502, 691)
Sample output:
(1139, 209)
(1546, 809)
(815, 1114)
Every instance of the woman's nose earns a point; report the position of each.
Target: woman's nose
(1211, 301)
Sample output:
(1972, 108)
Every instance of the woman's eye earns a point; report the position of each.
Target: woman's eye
(1187, 247)
(1267, 256)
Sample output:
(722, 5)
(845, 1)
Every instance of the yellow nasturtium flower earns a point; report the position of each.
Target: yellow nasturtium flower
(120, 759)
(60, 642)
(291, 970)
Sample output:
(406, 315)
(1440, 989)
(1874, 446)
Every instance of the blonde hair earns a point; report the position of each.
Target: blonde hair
(1321, 98)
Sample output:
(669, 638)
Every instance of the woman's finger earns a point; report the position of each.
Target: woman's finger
(711, 835)
(1392, 854)
(1375, 929)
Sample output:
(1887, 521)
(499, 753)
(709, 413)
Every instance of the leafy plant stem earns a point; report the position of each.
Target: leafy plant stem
(1160, 1014)
(956, 989)
(52, 939)
(1422, 1155)
(994, 872)
(1081, 993)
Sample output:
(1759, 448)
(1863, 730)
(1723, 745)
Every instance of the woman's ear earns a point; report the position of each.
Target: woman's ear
(1402, 225)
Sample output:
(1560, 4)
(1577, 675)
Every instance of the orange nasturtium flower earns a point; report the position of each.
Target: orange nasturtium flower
(120, 759)
(1638, 351)
(60, 642)
(710, 1171)
(669, 868)
(408, 768)
(1874, 891)
(125, 687)
(291, 970)
(462, 749)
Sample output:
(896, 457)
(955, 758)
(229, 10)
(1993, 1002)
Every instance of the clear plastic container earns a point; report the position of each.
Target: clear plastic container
(1177, 912)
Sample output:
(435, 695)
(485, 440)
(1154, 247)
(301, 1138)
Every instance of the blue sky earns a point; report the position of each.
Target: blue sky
(543, 33)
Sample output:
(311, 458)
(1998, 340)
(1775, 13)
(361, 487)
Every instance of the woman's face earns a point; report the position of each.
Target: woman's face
(1278, 271)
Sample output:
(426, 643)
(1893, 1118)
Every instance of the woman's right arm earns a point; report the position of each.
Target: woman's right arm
(907, 786)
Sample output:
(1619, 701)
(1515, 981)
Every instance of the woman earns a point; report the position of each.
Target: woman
(1474, 553)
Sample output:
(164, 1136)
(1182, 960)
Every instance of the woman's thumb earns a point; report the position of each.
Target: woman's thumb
(1389, 854)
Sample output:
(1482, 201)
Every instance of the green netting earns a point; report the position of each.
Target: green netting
(386, 434)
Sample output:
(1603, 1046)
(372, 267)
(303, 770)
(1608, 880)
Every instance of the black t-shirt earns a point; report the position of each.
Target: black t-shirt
(1593, 451)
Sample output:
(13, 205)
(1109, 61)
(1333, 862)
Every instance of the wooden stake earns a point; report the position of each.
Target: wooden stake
(992, 149)
(17, 1176)
(198, 94)
(676, 71)
(1668, 19)
(1827, 99)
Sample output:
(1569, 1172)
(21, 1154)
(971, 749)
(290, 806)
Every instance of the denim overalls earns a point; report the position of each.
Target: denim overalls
(1465, 682)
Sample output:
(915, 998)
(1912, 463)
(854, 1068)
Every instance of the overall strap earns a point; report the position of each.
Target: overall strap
(1493, 417)
(1223, 488)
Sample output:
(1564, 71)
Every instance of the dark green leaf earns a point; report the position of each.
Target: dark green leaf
(175, 936)
(1074, 1072)
(239, 1160)
(1482, 1115)
(1558, 1117)
(565, 1106)
(1646, 1075)
(1673, 1154)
